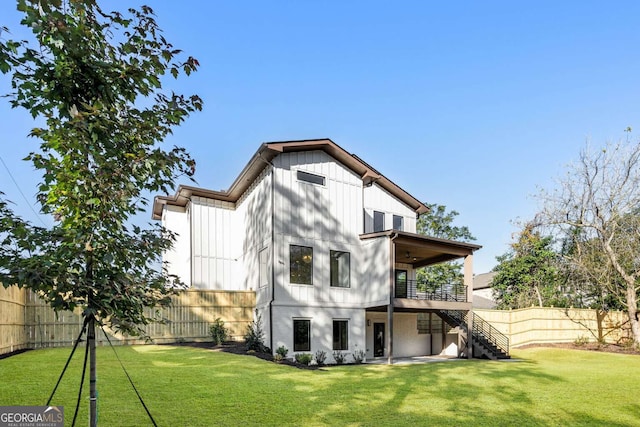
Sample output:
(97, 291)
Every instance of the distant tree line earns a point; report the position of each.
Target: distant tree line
(582, 249)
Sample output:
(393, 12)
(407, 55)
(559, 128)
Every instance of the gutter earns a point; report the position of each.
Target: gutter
(273, 249)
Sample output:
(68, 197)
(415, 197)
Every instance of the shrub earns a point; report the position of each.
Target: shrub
(282, 351)
(304, 358)
(358, 356)
(581, 340)
(255, 336)
(321, 356)
(218, 332)
(339, 357)
(278, 357)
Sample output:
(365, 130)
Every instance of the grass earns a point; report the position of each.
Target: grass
(185, 386)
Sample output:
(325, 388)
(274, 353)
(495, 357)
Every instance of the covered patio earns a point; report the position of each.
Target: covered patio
(407, 295)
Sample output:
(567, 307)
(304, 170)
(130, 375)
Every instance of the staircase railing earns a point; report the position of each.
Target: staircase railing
(491, 334)
(482, 330)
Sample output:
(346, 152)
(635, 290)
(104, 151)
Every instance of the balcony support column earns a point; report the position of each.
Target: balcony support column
(468, 284)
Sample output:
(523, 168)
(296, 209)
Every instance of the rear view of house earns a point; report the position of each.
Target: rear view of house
(329, 245)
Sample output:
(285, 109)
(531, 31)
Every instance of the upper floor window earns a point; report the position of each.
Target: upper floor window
(340, 269)
(301, 265)
(378, 221)
(311, 177)
(398, 222)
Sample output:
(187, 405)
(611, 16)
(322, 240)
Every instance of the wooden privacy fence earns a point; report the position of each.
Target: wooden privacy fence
(539, 325)
(13, 334)
(33, 324)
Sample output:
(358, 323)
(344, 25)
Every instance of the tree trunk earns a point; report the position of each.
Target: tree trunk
(632, 311)
(93, 395)
(538, 295)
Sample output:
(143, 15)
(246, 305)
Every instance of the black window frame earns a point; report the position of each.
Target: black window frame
(295, 270)
(340, 341)
(311, 178)
(334, 276)
(301, 326)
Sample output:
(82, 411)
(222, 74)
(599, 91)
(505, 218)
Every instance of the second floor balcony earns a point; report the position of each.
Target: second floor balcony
(422, 290)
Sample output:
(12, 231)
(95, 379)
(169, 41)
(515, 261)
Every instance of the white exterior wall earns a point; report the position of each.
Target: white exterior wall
(404, 328)
(378, 199)
(178, 258)
(322, 217)
(228, 236)
(321, 322)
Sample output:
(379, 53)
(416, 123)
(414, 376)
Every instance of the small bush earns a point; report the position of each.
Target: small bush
(218, 332)
(304, 358)
(255, 336)
(581, 340)
(321, 357)
(278, 357)
(282, 351)
(358, 356)
(339, 357)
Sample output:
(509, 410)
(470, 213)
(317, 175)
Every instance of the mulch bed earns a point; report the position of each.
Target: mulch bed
(591, 346)
(240, 348)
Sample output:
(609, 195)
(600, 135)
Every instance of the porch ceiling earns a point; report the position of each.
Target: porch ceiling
(420, 251)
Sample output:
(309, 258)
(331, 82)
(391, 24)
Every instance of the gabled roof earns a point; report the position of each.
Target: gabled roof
(267, 152)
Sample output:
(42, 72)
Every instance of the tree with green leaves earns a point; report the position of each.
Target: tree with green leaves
(529, 273)
(595, 207)
(438, 222)
(94, 79)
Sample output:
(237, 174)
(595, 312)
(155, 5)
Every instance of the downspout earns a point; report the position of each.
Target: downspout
(273, 249)
(392, 262)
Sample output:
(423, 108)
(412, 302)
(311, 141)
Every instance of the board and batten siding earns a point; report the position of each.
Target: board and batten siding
(325, 217)
(378, 199)
(176, 219)
(226, 238)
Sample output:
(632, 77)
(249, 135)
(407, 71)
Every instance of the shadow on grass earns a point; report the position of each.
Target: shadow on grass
(198, 387)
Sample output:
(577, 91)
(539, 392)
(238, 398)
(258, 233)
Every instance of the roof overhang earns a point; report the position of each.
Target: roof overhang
(420, 250)
(263, 157)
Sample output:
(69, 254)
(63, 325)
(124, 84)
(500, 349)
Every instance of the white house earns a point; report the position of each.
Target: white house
(329, 246)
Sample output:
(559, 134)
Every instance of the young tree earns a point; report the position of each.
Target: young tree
(439, 223)
(528, 274)
(599, 197)
(95, 80)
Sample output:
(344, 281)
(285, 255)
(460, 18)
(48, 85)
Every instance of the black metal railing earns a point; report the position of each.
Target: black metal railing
(415, 289)
(492, 339)
(483, 328)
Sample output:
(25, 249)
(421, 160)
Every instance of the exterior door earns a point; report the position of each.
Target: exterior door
(378, 339)
(401, 283)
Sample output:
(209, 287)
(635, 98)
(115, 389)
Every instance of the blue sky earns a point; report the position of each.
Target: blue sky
(473, 105)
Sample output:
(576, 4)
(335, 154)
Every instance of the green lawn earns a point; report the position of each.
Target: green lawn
(185, 386)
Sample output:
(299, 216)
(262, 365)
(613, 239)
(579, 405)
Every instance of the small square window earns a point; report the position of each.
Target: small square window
(301, 335)
(301, 265)
(341, 335)
(340, 269)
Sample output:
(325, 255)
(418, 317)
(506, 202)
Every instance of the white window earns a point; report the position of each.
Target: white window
(264, 267)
